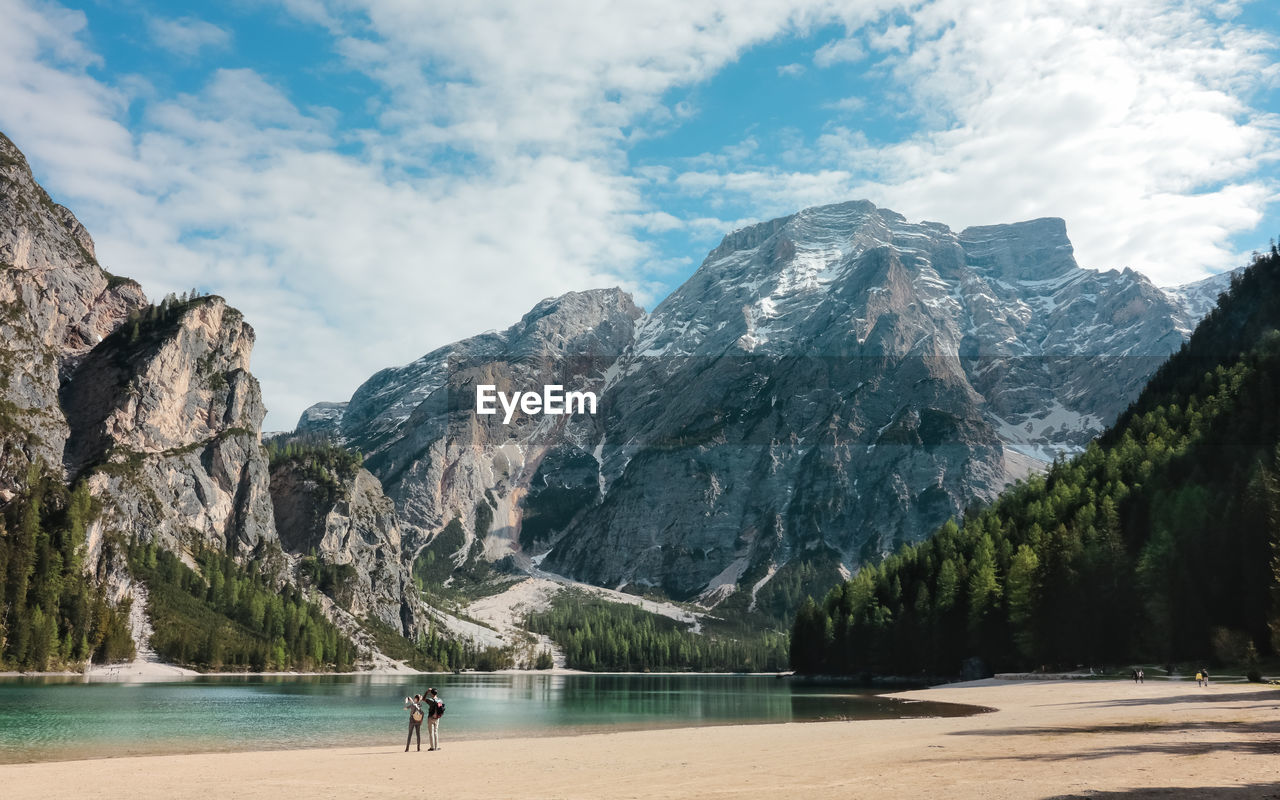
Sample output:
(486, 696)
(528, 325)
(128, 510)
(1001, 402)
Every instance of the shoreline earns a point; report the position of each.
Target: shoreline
(1043, 739)
(497, 737)
(145, 671)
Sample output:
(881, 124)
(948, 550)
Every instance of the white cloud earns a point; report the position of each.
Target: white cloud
(847, 105)
(1130, 120)
(63, 116)
(497, 171)
(894, 37)
(840, 51)
(791, 70)
(548, 76)
(349, 262)
(187, 36)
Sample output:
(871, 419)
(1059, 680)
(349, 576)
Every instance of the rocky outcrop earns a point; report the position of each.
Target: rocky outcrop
(324, 419)
(165, 422)
(153, 405)
(338, 520)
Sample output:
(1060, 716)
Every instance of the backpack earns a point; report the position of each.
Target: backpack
(439, 707)
(416, 716)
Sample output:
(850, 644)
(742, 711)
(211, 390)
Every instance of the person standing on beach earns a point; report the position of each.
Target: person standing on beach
(1140, 676)
(1199, 679)
(414, 704)
(435, 708)
(1205, 673)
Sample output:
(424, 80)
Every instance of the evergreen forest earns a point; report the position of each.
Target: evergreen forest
(51, 617)
(600, 636)
(1157, 544)
(227, 616)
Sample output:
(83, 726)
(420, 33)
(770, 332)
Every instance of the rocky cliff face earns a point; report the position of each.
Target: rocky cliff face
(825, 386)
(55, 304)
(153, 405)
(437, 459)
(338, 519)
(165, 420)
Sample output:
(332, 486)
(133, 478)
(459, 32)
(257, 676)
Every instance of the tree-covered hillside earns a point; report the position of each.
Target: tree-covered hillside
(600, 636)
(51, 617)
(227, 616)
(1156, 543)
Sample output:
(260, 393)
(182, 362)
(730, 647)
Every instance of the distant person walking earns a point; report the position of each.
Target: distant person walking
(416, 713)
(1135, 675)
(1199, 678)
(1141, 675)
(1205, 673)
(435, 710)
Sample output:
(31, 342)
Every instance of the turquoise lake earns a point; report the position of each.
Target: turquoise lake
(66, 718)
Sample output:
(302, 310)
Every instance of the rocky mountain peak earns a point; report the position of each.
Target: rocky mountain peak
(598, 322)
(45, 250)
(561, 322)
(1199, 297)
(1035, 250)
(16, 172)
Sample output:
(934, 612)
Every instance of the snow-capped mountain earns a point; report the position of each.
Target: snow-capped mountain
(1199, 297)
(825, 386)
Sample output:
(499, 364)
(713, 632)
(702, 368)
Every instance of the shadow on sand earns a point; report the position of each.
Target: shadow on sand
(1271, 696)
(1255, 738)
(1253, 791)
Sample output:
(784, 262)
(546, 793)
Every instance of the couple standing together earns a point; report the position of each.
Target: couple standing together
(430, 707)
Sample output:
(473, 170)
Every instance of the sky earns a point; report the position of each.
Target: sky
(371, 179)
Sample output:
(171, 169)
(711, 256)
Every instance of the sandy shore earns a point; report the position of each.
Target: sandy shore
(1046, 739)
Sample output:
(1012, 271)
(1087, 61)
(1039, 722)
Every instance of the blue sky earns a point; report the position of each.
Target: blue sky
(370, 179)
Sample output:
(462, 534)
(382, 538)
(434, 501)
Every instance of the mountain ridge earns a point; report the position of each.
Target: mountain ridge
(1017, 352)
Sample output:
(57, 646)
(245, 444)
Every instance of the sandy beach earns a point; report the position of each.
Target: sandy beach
(1043, 740)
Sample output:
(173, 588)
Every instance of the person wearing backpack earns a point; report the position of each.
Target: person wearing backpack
(416, 713)
(435, 709)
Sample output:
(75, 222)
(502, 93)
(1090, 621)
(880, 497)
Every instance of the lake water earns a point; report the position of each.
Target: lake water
(65, 718)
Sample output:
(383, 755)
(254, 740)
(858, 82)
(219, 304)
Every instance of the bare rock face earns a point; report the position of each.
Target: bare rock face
(165, 422)
(346, 531)
(55, 304)
(437, 459)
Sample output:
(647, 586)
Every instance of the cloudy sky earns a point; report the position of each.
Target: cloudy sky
(370, 179)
